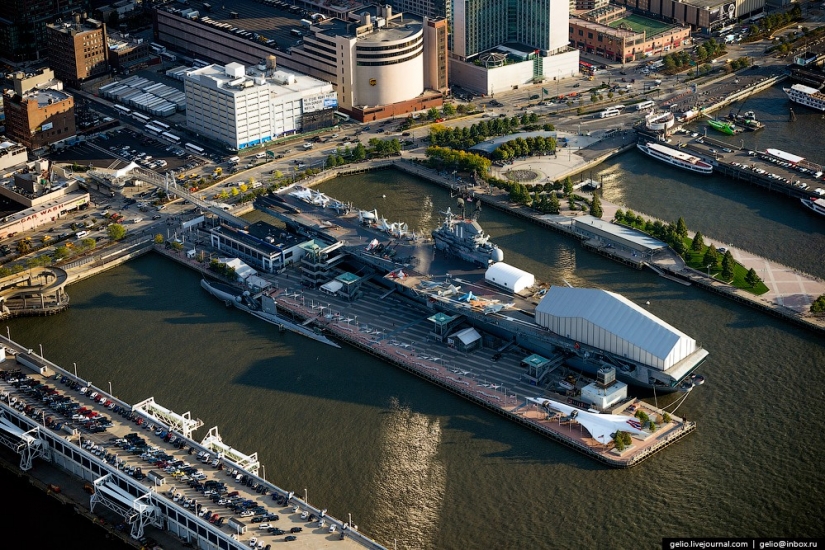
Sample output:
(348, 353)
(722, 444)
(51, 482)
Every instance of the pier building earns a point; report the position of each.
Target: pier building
(268, 252)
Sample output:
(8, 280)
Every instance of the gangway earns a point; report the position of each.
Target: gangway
(213, 442)
(181, 423)
(137, 511)
(27, 444)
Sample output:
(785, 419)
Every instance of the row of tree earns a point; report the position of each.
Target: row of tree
(522, 147)
(442, 157)
(464, 138)
(773, 21)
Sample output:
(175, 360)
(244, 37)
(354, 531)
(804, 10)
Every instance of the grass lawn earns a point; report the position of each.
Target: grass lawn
(694, 260)
(638, 23)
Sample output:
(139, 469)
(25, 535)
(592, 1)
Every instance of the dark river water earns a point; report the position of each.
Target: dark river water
(419, 468)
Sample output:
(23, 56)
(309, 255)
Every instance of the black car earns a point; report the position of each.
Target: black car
(296, 529)
(276, 531)
(496, 357)
(290, 538)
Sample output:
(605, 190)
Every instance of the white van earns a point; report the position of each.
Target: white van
(81, 234)
(257, 185)
(260, 155)
(307, 146)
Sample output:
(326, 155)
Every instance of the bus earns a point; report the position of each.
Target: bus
(587, 68)
(154, 130)
(157, 48)
(122, 110)
(344, 117)
(296, 32)
(644, 105)
(607, 113)
(140, 117)
(191, 147)
(199, 63)
(159, 124)
(171, 137)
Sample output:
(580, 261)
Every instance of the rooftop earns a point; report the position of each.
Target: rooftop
(281, 82)
(73, 28)
(47, 97)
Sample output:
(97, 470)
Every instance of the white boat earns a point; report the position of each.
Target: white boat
(807, 96)
(261, 306)
(675, 157)
(817, 205)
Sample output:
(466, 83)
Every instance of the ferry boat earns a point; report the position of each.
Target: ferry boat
(807, 96)
(815, 204)
(675, 157)
(721, 126)
(261, 306)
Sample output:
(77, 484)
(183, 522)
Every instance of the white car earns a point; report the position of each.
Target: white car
(252, 542)
(264, 526)
(246, 513)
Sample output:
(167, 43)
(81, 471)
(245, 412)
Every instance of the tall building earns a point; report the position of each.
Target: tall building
(23, 26)
(481, 25)
(127, 54)
(243, 107)
(699, 14)
(436, 35)
(40, 115)
(78, 50)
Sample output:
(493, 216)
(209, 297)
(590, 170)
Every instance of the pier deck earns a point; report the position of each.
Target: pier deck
(312, 535)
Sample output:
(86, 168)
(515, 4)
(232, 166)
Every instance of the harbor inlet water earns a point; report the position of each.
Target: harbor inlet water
(420, 468)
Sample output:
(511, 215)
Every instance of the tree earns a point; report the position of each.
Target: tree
(554, 207)
(61, 252)
(752, 278)
(359, 152)
(818, 306)
(89, 243)
(698, 242)
(116, 231)
(158, 239)
(711, 257)
(666, 418)
(596, 206)
(642, 416)
(448, 109)
(24, 246)
(433, 114)
(681, 228)
(568, 186)
(728, 264)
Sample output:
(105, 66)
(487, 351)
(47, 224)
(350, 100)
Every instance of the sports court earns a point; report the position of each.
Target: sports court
(637, 23)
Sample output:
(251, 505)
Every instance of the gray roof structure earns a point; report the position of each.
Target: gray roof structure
(614, 323)
(619, 234)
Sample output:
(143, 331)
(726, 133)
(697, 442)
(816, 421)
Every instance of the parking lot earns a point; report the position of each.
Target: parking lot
(192, 478)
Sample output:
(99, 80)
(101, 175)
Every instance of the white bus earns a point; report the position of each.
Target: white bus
(171, 137)
(157, 48)
(644, 105)
(122, 110)
(342, 116)
(609, 113)
(140, 117)
(154, 130)
(160, 124)
(194, 148)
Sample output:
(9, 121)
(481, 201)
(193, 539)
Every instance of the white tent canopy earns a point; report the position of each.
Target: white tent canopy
(241, 269)
(509, 277)
(467, 336)
(332, 287)
(611, 322)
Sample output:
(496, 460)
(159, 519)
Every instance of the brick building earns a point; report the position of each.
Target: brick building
(78, 51)
(39, 116)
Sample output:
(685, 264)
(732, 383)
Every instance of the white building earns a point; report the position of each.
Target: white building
(12, 154)
(514, 44)
(243, 107)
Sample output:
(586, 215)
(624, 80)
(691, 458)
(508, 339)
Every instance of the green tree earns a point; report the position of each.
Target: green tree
(698, 242)
(568, 187)
(596, 206)
(158, 239)
(711, 257)
(24, 246)
(177, 246)
(642, 416)
(433, 113)
(554, 207)
(61, 252)
(359, 152)
(89, 243)
(666, 418)
(818, 306)
(752, 278)
(116, 231)
(728, 264)
(448, 109)
(681, 228)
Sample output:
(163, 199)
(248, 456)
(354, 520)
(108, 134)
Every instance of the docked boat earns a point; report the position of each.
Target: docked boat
(261, 306)
(463, 237)
(747, 121)
(807, 96)
(815, 204)
(675, 157)
(721, 126)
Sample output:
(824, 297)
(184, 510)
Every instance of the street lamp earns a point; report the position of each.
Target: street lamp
(708, 267)
(110, 389)
(75, 369)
